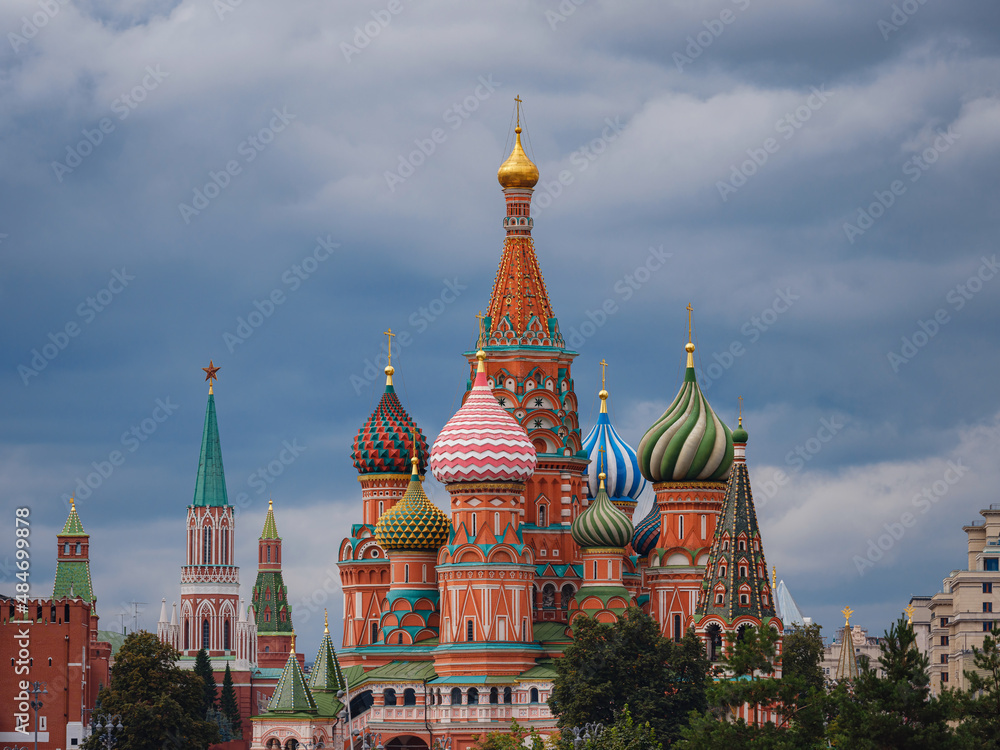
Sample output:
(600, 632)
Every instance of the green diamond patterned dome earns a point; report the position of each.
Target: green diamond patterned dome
(414, 522)
(602, 524)
(689, 442)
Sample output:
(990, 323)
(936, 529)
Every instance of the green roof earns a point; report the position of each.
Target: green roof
(73, 581)
(291, 694)
(543, 670)
(271, 580)
(326, 675)
(270, 529)
(110, 636)
(73, 526)
(400, 671)
(210, 487)
(551, 631)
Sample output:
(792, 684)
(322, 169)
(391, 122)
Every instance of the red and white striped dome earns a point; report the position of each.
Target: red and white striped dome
(482, 442)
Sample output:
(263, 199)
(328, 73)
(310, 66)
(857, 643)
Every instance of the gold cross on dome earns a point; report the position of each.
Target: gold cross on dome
(740, 399)
(601, 450)
(518, 106)
(480, 317)
(690, 310)
(391, 336)
(604, 369)
(847, 612)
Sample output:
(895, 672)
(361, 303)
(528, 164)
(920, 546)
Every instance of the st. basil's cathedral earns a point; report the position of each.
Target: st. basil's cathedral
(453, 622)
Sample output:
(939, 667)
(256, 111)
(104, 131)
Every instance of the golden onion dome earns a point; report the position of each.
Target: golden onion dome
(518, 171)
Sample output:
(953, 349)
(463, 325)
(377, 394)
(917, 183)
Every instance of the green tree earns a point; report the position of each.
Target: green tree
(203, 668)
(227, 701)
(980, 704)
(160, 704)
(512, 740)
(895, 710)
(625, 734)
(798, 697)
(629, 662)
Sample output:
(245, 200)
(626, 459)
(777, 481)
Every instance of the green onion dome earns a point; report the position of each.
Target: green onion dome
(602, 524)
(689, 442)
(739, 434)
(414, 522)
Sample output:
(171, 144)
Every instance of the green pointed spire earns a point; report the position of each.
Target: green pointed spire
(270, 528)
(73, 527)
(326, 675)
(292, 694)
(210, 487)
(73, 576)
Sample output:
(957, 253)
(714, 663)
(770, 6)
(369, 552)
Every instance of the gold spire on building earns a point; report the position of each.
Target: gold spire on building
(326, 622)
(389, 369)
(603, 395)
(480, 354)
(909, 613)
(847, 612)
(210, 374)
(774, 577)
(518, 171)
(292, 651)
(689, 346)
(740, 419)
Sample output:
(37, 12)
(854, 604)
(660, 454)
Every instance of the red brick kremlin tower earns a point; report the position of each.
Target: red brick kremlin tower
(271, 611)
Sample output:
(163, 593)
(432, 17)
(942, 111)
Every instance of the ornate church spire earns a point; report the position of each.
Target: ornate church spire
(519, 312)
(847, 664)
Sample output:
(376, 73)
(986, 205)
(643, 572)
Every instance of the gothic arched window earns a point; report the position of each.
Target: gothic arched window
(205, 630)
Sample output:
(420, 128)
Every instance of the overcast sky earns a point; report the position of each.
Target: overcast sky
(818, 179)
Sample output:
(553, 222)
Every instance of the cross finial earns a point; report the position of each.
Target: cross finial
(909, 613)
(482, 328)
(391, 336)
(326, 622)
(414, 460)
(740, 399)
(601, 451)
(518, 107)
(690, 310)
(847, 612)
(604, 369)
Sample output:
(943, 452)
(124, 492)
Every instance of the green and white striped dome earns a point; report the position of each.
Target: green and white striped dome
(689, 442)
(602, 524)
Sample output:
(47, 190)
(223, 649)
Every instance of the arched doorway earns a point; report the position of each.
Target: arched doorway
(406, 742)
(714, 646)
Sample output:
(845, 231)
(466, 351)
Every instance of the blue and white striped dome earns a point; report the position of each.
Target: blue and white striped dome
(620, 462)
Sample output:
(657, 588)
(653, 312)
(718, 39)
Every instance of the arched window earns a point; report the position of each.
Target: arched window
(678, 633)
(381, 508)
(470, 630)
(533, 695)
(374, 632)
(595, 570)
(66, 548)
(496, 524)
(541, 516)
(704, 527)
(409, 697)
(456, 697)
(548, 596)
(205, 630)
(566, 595)
(206, 546)
(743, 571)
(225, 635)
(743, 545)
(473, 699)
(389, 697)
(508, 695)
(714, 633)
(225, 547)
(680, 527)
(399, 637)
(744, 599)
(267, 649)
(494, 695)
(78, 548)
(187, 634)
(718, 598)
(474, 517)
(269, 553)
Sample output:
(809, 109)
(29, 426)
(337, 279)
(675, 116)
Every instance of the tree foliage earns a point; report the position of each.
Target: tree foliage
(228, 704)
(512, 740)
(203, 668)
(895, 710)
(980, 704)
(160, 704)
(629, 663)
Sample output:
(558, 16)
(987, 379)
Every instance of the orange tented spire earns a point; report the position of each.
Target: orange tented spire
(520, 313)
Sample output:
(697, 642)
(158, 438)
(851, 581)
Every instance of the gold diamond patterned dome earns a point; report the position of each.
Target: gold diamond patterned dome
(414, 522)
(518, 171)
